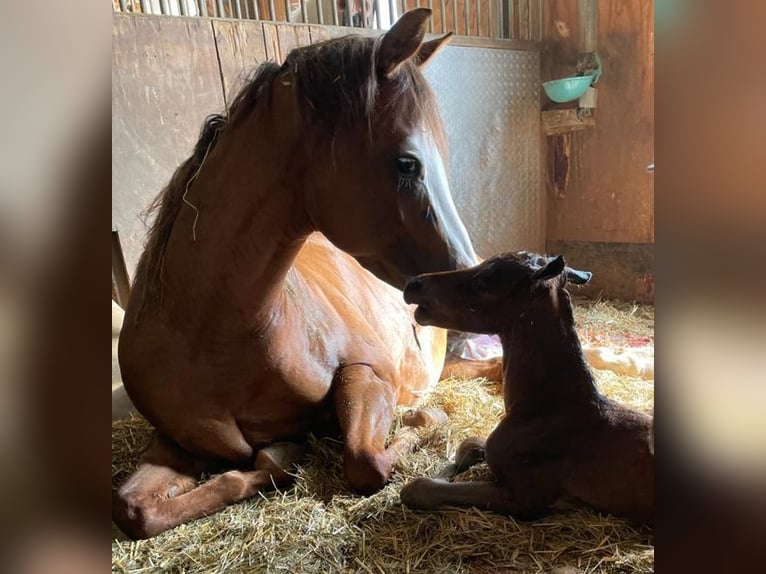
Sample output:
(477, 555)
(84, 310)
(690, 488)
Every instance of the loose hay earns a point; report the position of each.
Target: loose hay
(318, 525)
(614, 322)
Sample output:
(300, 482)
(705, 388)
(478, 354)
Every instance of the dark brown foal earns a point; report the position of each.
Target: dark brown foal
(560, 438)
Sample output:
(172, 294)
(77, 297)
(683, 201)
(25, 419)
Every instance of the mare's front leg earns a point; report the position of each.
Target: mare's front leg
(365, 405)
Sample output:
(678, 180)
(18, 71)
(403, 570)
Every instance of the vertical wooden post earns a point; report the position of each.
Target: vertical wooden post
(120, 278)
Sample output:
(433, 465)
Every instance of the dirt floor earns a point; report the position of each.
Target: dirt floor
(318, 525)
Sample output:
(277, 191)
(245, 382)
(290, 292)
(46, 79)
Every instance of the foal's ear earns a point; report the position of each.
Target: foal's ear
(402, 41)
(429, 49)
(578, 277)
(551, 270)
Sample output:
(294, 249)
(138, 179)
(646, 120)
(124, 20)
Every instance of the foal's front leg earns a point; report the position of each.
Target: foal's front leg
(525, 497)
(470, 453)
(432, 494)
(365, 405)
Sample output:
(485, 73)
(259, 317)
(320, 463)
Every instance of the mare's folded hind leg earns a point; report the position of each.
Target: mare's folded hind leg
(163, 494)
(490, 369)
(365, 405)
(165, 471)
(424, 417)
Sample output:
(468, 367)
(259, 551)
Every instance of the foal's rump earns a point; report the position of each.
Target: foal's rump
(378, 326)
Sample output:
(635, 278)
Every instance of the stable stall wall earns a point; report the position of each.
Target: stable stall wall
(600, 196)
(169, 73)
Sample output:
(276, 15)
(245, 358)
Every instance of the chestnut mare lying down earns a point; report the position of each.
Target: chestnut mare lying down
(559, 439)
(267, 303)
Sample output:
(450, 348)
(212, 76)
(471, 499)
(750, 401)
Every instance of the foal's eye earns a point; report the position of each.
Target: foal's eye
(408, 166)
(486, 281)
(479, 283)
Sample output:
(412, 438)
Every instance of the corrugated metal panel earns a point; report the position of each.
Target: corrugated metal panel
(490, 104)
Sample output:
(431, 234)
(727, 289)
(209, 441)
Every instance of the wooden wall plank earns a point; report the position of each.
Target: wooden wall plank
(165, 80)
(523, 17)
(303, 35)
(241, 48)
(474, 6)
(609, 195)
(271, 42)
(291, 36)
(319, 34)
(287, 38)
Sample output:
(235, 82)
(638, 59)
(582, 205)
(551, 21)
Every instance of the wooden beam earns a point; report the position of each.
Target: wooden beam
(120, 277)
(557, 122)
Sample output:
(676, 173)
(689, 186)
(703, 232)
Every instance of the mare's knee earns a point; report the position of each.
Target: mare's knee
(367, 473)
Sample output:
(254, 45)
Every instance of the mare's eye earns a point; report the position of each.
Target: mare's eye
(408, 166)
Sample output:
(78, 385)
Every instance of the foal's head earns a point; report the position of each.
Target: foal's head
(487, 298)
(376, 184)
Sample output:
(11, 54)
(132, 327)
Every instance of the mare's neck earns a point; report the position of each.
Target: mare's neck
(542, 356)
(252, 222)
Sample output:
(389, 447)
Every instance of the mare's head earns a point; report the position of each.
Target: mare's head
(489, 297)
(375, 183)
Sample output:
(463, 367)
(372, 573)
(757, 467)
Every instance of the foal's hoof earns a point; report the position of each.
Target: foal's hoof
(415, 494)
(424, 417)
(470, 452)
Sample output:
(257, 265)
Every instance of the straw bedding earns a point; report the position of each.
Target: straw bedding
(318, 525)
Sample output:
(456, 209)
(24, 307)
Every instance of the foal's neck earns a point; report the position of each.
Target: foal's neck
(542, 358)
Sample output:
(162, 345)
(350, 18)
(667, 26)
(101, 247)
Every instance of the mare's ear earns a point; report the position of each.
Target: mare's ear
(551, 270)
(402, 41)
(429, 49)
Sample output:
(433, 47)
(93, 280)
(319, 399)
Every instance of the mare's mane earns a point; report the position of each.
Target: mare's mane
(338, 84)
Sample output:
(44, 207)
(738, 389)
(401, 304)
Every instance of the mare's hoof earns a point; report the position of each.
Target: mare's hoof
(280, 456)
(424, 417)
(405, 441)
